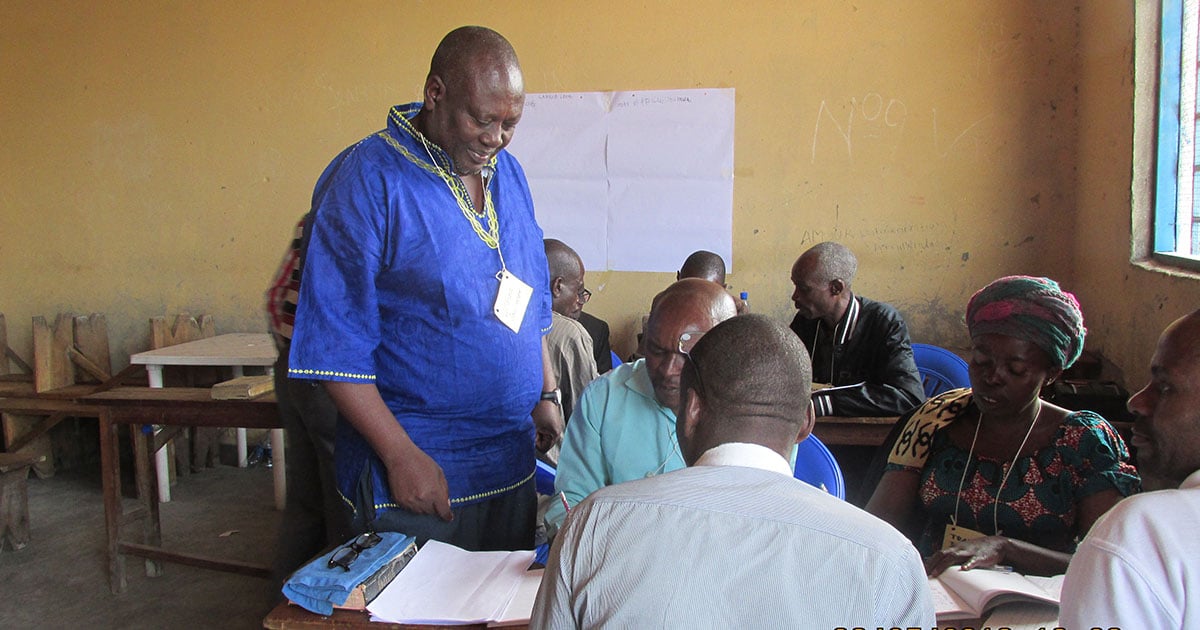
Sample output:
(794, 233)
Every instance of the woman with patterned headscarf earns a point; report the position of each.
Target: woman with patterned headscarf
(992, 474)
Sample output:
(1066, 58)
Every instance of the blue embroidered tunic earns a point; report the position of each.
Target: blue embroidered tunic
(398, 291)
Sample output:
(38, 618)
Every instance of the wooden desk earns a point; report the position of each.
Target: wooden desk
(174, 407)
(854, 431)
(288, 617)
(233, 350)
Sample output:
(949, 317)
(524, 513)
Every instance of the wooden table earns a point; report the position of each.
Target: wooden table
(173, 407)
(17, 396)
(233, 350)
(854, 431)
(288, 617)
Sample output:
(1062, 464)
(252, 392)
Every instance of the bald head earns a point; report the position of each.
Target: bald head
(704, 265)
(691, 294)
(1183, 335)
(474, 98)
(688, 306)
(1166, 432)
(566, 278)
(749, 381)
(468, 48)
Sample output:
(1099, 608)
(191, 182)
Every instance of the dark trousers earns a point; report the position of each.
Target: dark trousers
(504, 522)
(315, 517)
(854, 462)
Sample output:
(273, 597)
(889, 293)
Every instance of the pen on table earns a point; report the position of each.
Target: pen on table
(563, 497)
(1000, 568)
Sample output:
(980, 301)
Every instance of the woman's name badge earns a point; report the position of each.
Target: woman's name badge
(511, 300)
(955, 534)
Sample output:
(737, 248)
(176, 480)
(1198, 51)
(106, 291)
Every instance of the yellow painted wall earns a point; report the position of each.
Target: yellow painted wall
(154, 155)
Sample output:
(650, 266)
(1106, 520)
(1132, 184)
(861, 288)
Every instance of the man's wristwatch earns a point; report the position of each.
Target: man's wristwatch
(554, 395)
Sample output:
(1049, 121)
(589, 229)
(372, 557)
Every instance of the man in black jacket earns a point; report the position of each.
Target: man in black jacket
(858, 346)
(598, 329)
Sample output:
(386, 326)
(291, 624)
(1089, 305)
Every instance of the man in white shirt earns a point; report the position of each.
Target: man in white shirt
(735, 541)
(1139, 566)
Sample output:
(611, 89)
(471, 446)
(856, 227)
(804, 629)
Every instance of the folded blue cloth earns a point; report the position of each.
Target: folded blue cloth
(316, 587)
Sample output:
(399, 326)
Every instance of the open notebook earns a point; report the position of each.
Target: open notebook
(971, 594)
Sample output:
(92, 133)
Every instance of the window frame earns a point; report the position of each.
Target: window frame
(1161, 32)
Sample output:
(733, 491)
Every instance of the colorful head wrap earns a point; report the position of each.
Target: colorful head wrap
(1033, 309)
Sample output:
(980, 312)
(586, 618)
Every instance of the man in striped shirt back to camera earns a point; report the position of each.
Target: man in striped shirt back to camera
(733, 540)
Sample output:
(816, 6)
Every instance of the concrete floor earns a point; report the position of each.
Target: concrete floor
(60, 579)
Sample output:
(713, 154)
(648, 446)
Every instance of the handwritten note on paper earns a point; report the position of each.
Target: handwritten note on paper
(633, 181)
(946, 603)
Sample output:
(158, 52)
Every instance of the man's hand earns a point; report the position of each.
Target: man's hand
(415, 480)
(975, 553)
(547, 416)
(418, 483)
(548, 420)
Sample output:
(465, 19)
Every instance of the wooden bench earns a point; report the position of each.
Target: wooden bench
(14, 498)
(70, 356)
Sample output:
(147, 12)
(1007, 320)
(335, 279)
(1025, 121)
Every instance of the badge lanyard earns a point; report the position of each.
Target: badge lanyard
(954, 533)
(513, 295)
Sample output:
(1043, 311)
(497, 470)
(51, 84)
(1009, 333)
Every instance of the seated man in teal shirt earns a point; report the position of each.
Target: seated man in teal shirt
(623, 426)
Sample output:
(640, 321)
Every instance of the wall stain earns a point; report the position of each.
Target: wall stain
(934, 322)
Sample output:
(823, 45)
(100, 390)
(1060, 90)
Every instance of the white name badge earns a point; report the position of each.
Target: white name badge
(511, 300)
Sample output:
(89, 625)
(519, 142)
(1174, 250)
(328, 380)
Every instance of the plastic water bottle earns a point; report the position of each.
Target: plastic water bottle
(745, 302)
(260, 455)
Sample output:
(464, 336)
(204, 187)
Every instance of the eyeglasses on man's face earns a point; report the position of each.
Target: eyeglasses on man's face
(584, 295)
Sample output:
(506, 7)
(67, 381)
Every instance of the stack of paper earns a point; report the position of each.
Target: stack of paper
(447, 585)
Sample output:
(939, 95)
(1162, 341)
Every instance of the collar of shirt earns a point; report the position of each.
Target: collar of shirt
(639, 381)
(747, 455)
(845, 327)
(1192, 481)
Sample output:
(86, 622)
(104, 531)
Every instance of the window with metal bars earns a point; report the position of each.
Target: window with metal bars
(1177, 201)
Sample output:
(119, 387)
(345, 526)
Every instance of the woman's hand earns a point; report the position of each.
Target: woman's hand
(976, 553)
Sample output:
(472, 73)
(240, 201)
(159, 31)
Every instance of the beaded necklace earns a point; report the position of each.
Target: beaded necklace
(489, 236)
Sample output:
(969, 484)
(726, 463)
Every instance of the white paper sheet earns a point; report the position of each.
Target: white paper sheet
(520, 605)
(443, 584)
(633, 181)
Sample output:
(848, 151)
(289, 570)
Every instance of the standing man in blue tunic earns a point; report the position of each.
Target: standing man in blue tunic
(423, 309)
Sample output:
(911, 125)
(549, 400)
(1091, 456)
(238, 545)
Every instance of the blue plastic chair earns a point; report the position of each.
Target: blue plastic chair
(941, 370)
(816, 466)
(543, 478)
